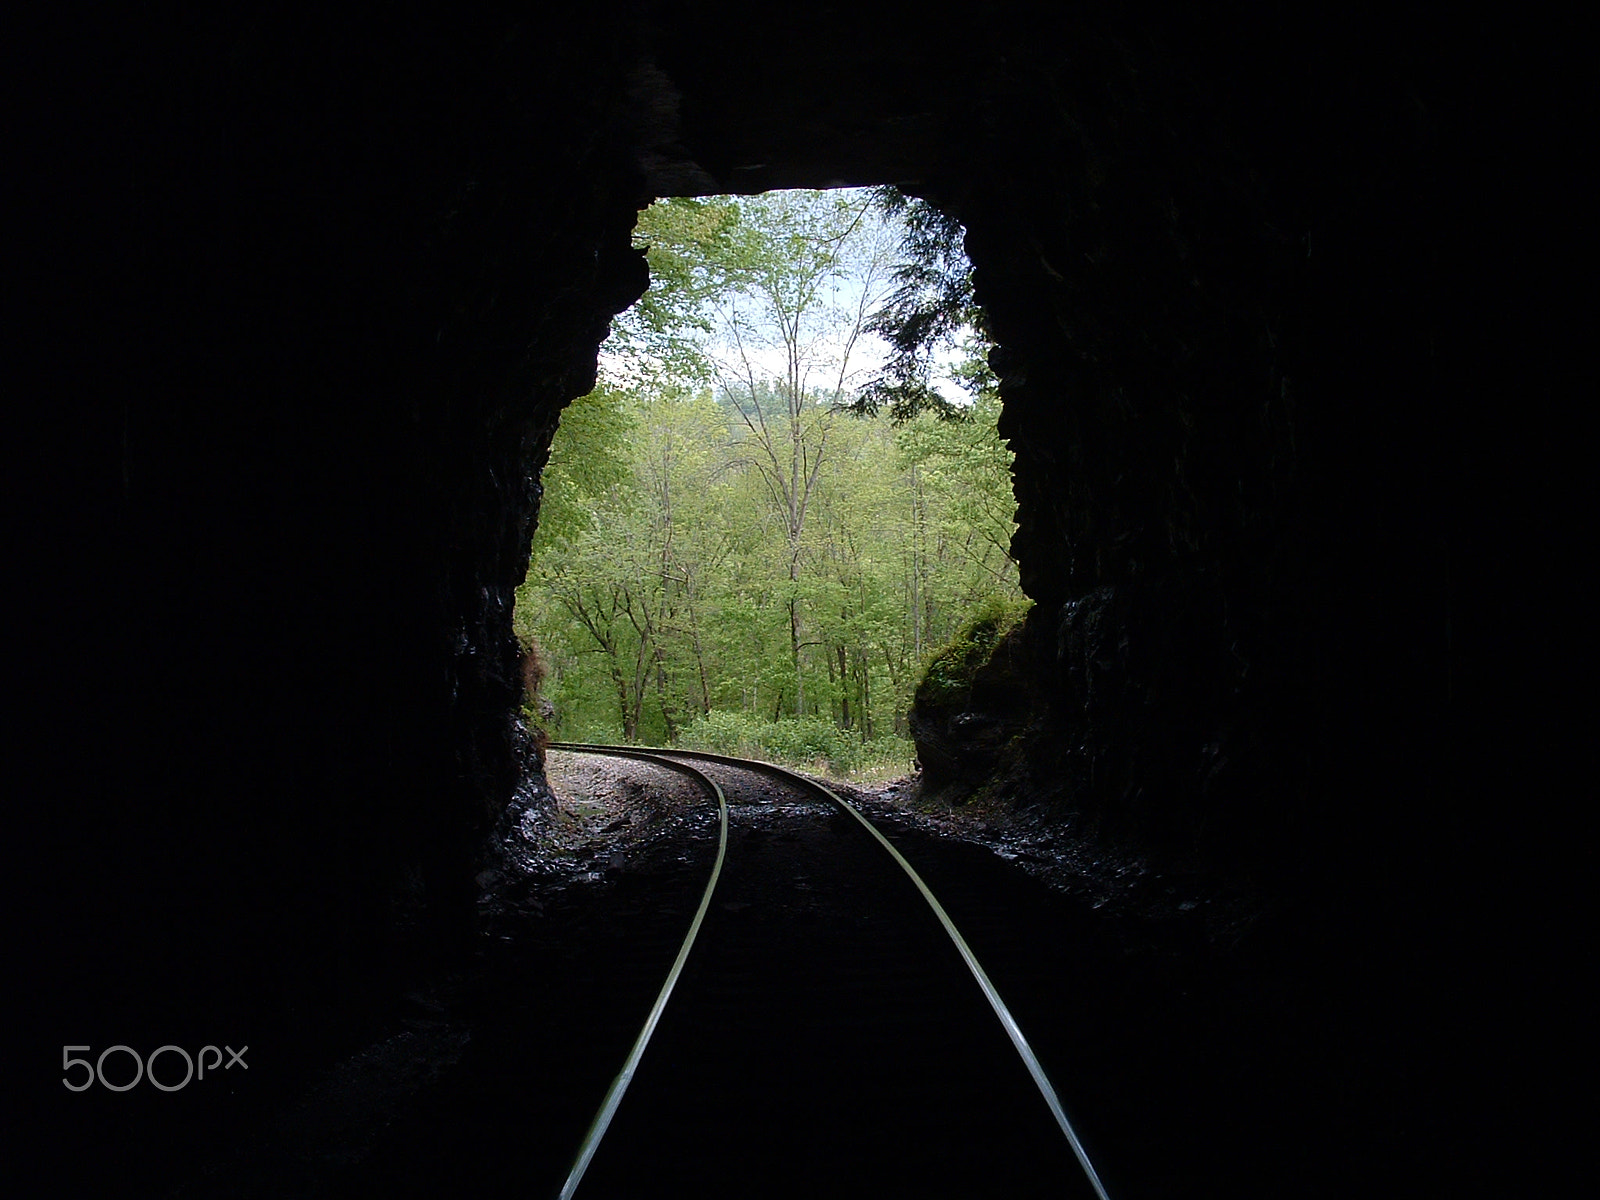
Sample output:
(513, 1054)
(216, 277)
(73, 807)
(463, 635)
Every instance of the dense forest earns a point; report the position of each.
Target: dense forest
(770, 513)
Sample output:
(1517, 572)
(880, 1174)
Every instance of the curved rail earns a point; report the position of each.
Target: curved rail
(619, 1085)
(1013, 1030)
(1008, 1022)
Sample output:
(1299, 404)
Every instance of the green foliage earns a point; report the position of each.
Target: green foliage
(721, 542)
(588, 462)
(694, 250)
(806, 743)
(931, 309)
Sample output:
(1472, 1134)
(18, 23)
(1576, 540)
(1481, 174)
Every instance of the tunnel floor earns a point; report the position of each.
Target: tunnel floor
(1189, 1069)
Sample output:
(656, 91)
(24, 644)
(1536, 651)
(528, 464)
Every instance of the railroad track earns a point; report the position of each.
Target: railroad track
(825, 1029)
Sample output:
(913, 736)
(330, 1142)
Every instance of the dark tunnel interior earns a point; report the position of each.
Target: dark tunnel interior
(1285, 324)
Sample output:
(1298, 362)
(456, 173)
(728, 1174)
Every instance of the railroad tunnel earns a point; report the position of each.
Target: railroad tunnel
(1278, 360)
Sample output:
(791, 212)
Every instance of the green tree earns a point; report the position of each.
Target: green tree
(931, 309)
(812, 270)
(693, 247)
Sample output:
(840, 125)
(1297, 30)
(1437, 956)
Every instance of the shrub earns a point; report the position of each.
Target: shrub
(724, 733)
(809, 743)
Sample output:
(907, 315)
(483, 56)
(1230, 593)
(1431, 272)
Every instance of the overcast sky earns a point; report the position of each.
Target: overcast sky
(824, 348)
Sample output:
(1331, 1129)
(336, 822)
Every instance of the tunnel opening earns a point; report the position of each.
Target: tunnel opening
(766, 520)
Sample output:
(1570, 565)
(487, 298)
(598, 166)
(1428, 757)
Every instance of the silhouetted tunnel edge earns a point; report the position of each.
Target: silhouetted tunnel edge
(309, 302)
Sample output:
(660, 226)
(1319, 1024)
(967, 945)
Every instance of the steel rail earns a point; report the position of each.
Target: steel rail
(1007, 1021)
(619, 1085)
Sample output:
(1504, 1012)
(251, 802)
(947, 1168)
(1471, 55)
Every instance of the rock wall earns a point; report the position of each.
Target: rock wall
(345, 276)
(1180, 261)
(1241, 278)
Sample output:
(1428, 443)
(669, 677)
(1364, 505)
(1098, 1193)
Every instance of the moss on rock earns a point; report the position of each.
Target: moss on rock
(948, 677)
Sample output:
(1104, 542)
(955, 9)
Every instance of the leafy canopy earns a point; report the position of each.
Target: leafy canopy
(737, 544)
